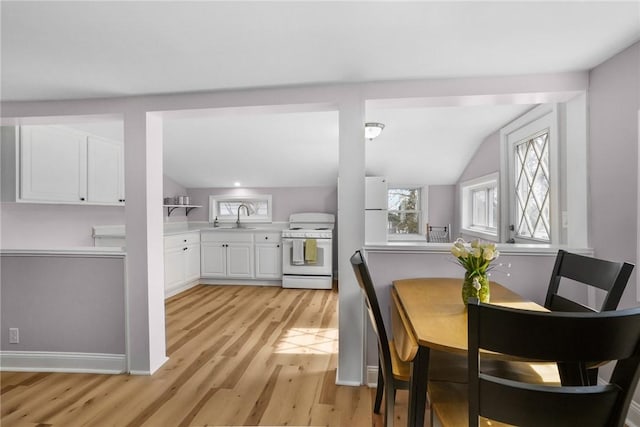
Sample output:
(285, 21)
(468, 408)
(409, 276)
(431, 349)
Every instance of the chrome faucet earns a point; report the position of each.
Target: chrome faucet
(239, 207)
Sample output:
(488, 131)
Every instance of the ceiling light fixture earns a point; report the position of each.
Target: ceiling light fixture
(237, 184)
(372, 130)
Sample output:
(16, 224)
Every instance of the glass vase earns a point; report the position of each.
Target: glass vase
(469, 291)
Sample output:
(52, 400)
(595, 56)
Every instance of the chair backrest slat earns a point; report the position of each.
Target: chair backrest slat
(561, 337)
(612, 277)
(502, 401)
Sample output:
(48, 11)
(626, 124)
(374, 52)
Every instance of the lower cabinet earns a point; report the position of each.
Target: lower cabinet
(181, 261)
(227, 255)
(268, 256)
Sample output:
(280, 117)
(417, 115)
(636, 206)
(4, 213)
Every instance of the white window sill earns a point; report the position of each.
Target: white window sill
(405, 237)
(492, 237)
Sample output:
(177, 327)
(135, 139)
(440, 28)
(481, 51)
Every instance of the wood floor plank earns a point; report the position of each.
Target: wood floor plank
(239, 355)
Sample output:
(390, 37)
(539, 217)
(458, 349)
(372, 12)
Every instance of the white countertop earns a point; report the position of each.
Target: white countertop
(173, 228)
(77, 251)
(504, 248)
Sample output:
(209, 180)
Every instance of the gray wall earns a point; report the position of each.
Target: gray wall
(63, 303)
(486, 160)
(614, 101)
(286, 200)
(39, 225)
(441, 205)
(171, 188)
(34, 225)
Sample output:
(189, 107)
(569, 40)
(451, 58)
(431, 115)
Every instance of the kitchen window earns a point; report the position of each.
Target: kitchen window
(480, 207)
(404, 210)
(228, 208)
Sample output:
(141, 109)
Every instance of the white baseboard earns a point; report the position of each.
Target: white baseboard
(372, 376)
(151, 371)
(348, 383)
(232, 282)
(49, 361)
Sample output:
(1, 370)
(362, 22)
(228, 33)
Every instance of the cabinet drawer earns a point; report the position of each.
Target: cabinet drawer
(267, 237)
(227, 236)
(181, 239)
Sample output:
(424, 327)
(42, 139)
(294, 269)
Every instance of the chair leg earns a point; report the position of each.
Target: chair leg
(592, 375)
(379, 391)
(575, 374)
(389, 405)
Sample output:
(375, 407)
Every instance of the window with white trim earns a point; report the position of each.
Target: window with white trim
(532, 187)
(530, 160)
(253, 208)
(479, 201)
(404, 211)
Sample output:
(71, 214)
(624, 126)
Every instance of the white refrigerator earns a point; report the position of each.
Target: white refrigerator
(375, 213)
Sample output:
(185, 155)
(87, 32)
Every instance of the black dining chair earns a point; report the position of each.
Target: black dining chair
(438, 233)
(609, 276)
(555, 336)
(393, 373)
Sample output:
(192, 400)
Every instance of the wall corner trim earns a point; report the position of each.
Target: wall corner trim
(47, 361)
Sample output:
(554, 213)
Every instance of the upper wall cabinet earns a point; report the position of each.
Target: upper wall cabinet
(105, 170)
(52, 164)
(63, 165)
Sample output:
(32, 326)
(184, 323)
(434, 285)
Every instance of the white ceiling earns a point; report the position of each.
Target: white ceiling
(63, 50)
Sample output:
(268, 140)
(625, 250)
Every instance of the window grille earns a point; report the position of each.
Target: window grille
(532, 187)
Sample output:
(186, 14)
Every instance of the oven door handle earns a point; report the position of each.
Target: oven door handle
(285, 240)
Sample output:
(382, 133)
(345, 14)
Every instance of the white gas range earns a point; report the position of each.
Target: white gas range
(307, 251)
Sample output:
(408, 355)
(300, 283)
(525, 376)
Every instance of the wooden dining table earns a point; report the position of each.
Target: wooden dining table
(428, 313)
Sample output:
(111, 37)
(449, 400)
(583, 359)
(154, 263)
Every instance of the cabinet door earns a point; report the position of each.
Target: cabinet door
(105, 170)
(268, 261)
(53, 165)
(174, 268)
(240, 260)
(213, 259)
(192, 263)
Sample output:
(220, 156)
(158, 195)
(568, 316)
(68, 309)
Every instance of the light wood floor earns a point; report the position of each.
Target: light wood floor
(239, 355)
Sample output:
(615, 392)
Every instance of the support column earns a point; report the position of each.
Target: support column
(351, 172)
(146, 344)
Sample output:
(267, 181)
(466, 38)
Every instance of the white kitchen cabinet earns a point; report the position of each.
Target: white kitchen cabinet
(105, 170)
(192, 263)
(227, 255)
(181, 262)
(53, 165)
(174, 269)
(268, 256)
(213, 262)
(63, 165)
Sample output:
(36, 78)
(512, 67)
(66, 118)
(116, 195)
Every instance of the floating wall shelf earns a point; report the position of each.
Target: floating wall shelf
(187, 208)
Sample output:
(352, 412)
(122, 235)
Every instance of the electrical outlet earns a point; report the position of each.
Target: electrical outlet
(14, 336)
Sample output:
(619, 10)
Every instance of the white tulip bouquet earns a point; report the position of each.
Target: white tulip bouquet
(476, 258)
